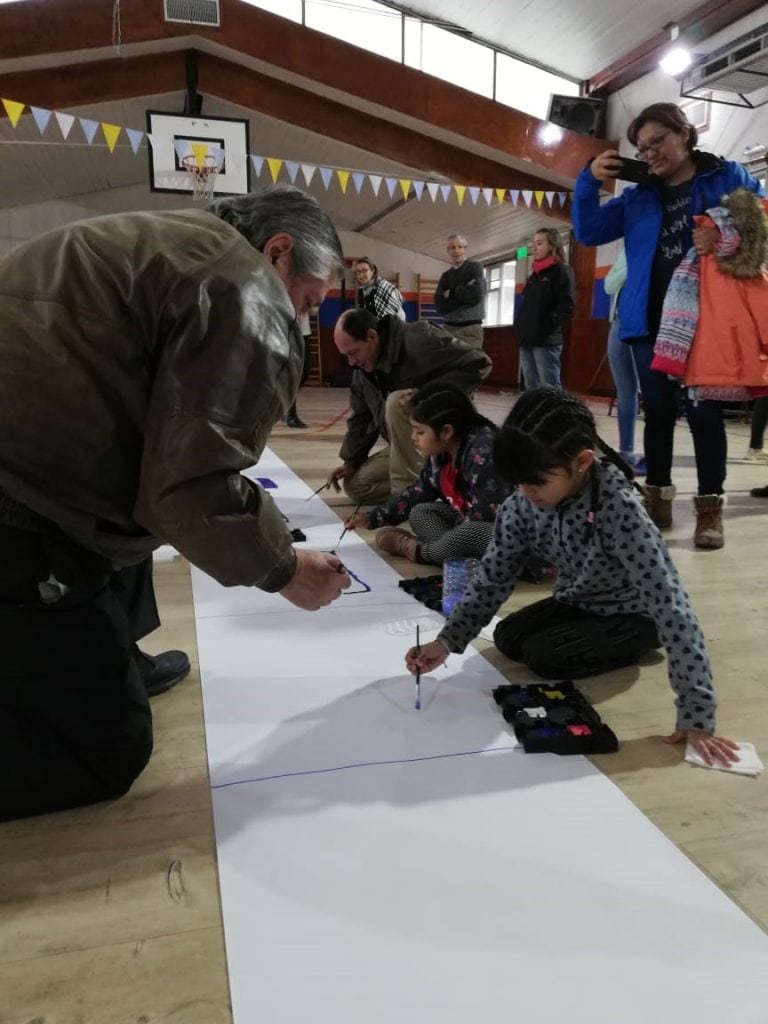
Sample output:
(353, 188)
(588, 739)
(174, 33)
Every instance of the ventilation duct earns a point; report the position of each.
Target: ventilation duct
(735, 74)
(193, 12)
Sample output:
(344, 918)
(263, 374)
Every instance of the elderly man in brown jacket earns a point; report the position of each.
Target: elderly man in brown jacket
(391, 361)
(144, 358)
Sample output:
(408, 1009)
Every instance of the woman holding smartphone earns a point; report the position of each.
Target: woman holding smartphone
(655, 218)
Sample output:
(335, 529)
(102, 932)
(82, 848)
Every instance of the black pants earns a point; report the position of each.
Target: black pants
(75, 724)
(557, 641)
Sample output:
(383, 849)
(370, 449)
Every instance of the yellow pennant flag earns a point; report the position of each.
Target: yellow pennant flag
(111, 134)
(405, 186)
(274, 166)
(14, 110)
(460, 190)
(343, 177)
(539, 198)
(199, 151)
(500, 193)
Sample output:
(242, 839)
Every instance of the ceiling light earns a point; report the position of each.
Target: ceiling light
(675, 60)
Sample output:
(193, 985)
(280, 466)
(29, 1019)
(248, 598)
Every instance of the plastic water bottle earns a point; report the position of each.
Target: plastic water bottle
(457, 575)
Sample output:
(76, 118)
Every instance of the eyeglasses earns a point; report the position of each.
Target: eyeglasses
(653, 146)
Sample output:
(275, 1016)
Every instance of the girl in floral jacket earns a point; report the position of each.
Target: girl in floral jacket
(452, 505)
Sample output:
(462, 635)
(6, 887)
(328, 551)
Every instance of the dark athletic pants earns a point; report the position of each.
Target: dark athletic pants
(75, 724)
(557, 641)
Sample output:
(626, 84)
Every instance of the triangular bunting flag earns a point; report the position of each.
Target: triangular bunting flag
(65, 123)
(432, 187)
(562, 196)
(134, 137)
(375, 181)
(527, 196)
(111, 134)
(418, 188)
(514, 195)
(258, 163)
(500, 193)
(358, 180)
(200, 150)
(446, 191)
(308, 170)
(293, 169)
(539, 197)
(326, 173)
(217, 153)
(391, 184)
(488, 195)
(274, 165)
(42, 117)
(89, 128)
(550, 197)
(343, 177)
(460, 190)
(182, 148)
(474, 194)
(405, 187)
(14, 110)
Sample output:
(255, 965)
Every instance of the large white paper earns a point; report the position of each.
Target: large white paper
(380, 864)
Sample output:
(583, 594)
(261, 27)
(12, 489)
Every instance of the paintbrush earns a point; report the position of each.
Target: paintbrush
(320, 488)
(417, 704)
(345, 531)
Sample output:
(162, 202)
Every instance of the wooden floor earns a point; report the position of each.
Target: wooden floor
(111, 915)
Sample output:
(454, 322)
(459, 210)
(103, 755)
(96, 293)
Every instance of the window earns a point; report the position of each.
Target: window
(448, 56)
(290, 9)
(364, 23)
(500, 283)
(528, 88)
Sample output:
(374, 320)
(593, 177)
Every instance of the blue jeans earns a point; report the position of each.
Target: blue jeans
(627, 385)
(662, 399)
(541, 366)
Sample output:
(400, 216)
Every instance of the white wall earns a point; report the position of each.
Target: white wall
(390, 259)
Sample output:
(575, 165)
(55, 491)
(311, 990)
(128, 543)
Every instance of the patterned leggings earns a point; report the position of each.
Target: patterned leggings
(445, 534)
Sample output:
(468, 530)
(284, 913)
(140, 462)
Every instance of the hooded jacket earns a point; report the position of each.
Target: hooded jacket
(144, 359)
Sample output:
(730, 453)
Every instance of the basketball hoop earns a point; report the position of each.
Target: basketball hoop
(203, 172)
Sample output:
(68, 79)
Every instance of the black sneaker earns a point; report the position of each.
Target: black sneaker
(294, 421)
(759, 492)
(160, 672)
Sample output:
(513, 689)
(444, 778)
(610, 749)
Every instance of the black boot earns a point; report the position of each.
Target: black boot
(160, 672)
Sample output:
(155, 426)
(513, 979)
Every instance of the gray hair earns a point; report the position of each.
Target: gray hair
(259, 216)
(461, 239)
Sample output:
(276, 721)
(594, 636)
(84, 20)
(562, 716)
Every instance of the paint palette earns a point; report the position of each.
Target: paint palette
(554, 718)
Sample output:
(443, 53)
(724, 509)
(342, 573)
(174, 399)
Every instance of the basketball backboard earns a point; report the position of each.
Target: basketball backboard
(176, 136)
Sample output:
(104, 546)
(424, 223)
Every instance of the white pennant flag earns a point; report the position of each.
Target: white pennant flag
(358, 179)
(134, 137)
(375, 181)
(258, 163)
(89, 128)
(326, 173)
(527, 196)
(65, 123)
(514, 195)
(474, 194)
(308, 170)
(418, 188)
(446, 191)
(432, 187)
(391, 184)
(488, 195)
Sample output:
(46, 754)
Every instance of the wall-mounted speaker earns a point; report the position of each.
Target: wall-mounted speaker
(583, 114)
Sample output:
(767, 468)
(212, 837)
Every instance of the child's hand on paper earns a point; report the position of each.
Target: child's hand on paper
(432, 655)
(710, 747)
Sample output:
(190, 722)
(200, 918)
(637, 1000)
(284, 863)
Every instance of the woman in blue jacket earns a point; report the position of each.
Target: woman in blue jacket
(655, 219)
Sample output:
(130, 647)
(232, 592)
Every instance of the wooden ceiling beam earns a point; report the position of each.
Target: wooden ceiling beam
(75, 26)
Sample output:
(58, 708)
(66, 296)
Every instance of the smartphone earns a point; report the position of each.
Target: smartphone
(633, 170)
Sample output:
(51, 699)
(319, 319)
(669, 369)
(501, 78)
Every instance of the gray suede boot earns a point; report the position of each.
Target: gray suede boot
(658, 504)
(709, 521)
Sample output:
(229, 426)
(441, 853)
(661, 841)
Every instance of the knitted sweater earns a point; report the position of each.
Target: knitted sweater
(616, 565)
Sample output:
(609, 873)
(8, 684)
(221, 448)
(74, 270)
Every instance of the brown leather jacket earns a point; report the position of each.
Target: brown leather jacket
(144, 358)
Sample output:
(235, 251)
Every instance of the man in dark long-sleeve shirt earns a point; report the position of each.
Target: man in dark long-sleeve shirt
(460, 294)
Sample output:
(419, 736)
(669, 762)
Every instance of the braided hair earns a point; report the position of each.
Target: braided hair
(438, 405)
(546, 430)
